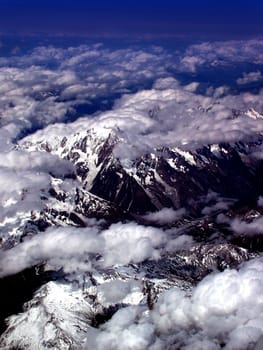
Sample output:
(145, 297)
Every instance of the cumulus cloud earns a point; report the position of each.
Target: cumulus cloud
(62, 243)
(170, 117)
(117, 291)
(89, 248)
(131, 243)
(178, 117)
(251, 77)
(221, 306)
(214, 203)
(20, 195)
(223, 310)
(181, 242)
(254, 227)
(165, 216)
(36, 161)
(25, 178)
(221, 53)
(120, 244)
(168, 114)
(46, 84)
(260, 201)
(122, 331)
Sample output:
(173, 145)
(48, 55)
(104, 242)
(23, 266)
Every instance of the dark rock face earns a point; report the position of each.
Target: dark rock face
(168, 177)
(116, 186)
(193, 265)
(92, 206)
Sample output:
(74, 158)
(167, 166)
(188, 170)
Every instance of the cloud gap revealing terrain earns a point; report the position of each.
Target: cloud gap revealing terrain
(131, 194)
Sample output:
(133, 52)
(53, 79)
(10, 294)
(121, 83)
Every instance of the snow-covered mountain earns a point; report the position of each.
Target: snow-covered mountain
(165, 177)
(210, 183)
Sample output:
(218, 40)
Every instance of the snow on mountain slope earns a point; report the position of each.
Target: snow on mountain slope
(164, 177)
(55, 318)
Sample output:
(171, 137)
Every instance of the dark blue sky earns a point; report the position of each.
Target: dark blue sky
(237, 18)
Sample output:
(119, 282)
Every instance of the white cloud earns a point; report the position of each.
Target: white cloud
(125, 243)
(219, 205)
(70, 247)
(251, 77)
(180, 118)
(40, 87)
(55, 244)
(25, 178)
(20, 193)
(221, 53)
(122, 331)
(181, 242)
(36, 161)
(260, 201)
(225, 308)
(247, 228)
(165, 216)
(167, 114)
(190, 63)
(114, 292)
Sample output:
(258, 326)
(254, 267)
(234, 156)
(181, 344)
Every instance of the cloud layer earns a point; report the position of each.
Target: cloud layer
(120, 244)
(53, 92)
(222, 53)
